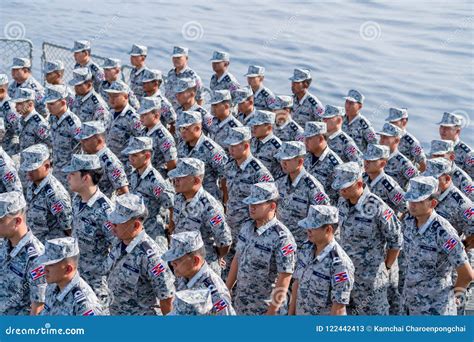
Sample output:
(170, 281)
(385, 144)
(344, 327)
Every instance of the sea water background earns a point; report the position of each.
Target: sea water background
(413, 54)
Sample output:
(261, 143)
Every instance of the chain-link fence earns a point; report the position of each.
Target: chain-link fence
(51, 51)
(10, 48)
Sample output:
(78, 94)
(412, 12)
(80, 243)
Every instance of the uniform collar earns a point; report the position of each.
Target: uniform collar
(357, 117)
(326, 251)
(94, 198)
(267, 138)
(199, 142)
(258, 91)
(64, 116)
(124, 110)
(267, 225)
(138, 71)
(298, 178)
(222, 77)
(74, 281)
(190, 284)
(225, 121)
(377, 179)
(362, 198)
(6, 99)
(425, 226)
(42, 184)
(147, 171)
(136, 240)
(393, 154)
(24, 240)
(85, 97)
(286, 123)
(154, 128)
(446, 192)
(102, 152)
(335, 134)
(196, 197)
(305, 96)
(325, 153)
(29, 116)
(246, 162)
(186, 68)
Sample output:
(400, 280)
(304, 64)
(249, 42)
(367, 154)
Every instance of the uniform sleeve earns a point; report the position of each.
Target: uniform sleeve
(101, 113)
(397, 198)
(352, 153)
(285, 254)
(136, 127)
(408, 171)
(167, 146)
(133, 101)
(11, 181)
(86, 304)
(242, 239)
(369, 135)
(163, 193)
(317, 196)
(42, 133)
(219, 227)
(160, 276)
(199, 87)
(417, 152)
(116, 174)
(61, 208)
(342, 281)
(300, 264)
(450, 244)
(168, 114)
(264, 176)
(391, 228)
(466, 218)
(36, 281)
(218, 160)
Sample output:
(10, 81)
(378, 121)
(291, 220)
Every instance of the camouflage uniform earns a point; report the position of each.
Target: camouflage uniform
(206, 215)
(220, 129)
(264, 98)
(64, 142)
(12, 120)
(137, 277)
(158, 195)
(164, 146)
(464, 157)
(344, 147)
(308, 108)
(205, 115)
(226, 82)
(136, 84)
(91, 107)
(168, 114)
(114, 176)
(462, 181)
(265, 150)
(431, 252)
(212, 155)
(92, 230)
(295, 199)
(97, 73)
(23, 280)
(34, 129)
(262, 254)
(195, 302)
(367, 230)
(33, 84)
(132, 99)
(289, 131)
(388, 190)
(172, 80)
(360, 130)
(49, 208)
(400, 168)
(322, 280)
(411, 148)
(10, 180)
(76, 299)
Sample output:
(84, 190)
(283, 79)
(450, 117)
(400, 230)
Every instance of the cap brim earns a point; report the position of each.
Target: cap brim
(51, 100)
(128, 151)
(21, 100)
(411, 197)
(113, 91)
(217, 60)
(115, 218)
(75, 82)
(30, 167)
(233, 142)
(351, 99)
(170, 255)
(43, 260)
(68, 169)
(336, 186)
(252, 75)
(175, 174)
(446, 124)
(250, 200)
(292, 79)
(385, 134)
(19, 67)
(307, 223)
(371, 158)
(178, 55)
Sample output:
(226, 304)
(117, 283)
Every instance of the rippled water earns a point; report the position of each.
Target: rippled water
(410, 54)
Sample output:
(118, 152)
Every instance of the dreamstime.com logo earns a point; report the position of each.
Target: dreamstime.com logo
(45, 330)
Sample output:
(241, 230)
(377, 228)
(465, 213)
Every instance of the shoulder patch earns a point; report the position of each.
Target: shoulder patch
(31, 250)
(364, 124)
(78, 295)
(232, 123)
(70, 121)
(309, 182)
(146, 247)
(408, 139)
(333, 160)
(464, 147)
(387, 185)
(457, 197)
(36, 118)
(312, 101)
(94, 99)
(254, 165)
(343, 138)
(208, 145)
(275, 143)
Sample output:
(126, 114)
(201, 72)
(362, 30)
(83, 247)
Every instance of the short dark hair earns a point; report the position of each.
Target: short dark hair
(96, 175)
(201, 252)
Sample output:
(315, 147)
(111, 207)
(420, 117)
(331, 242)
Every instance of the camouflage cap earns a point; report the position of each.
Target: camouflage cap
(219, 96)
(182, 244)
(187, 167)
(138, 50)
(242, 94)
(184, 84)
(238, 135)
(282, 102)
(56, 250)
(437, 167)
(179, 51)
(300, 75)
(220, 56)
(420, 188)
(255, 70)
(152, 75)
(192, 303)
(290, 150)
(390, 130)
(24, 94)
(52, 66)
(312, 128)
(261, 193)
(11, 202)
(54, 93)
(19, 63)
(111, 63)
(127, 207)
(345, 175)
(81, 162)
(319, 215)
(118, 87)
(355, 96)
(138, 144)
(439, 146)
(332, 111)
(376, 152)
(188, 117)
(89, 129)
(261, 117)
(81, 45)
(147, 104)
(395, 114)
(79, 76)
(3, 79)
(450, 120)
(33, 157)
